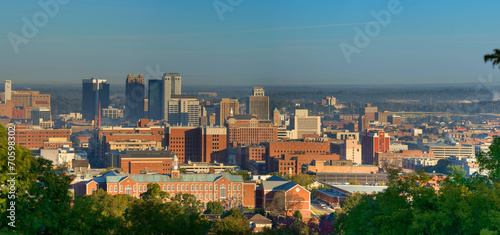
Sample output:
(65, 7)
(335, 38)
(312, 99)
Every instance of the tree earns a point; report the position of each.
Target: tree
(454, 170)
(214, 208)
(183, 171)
(260, 211)
(354, 182)
(303, 179)
(494, 58)
(283, 204)
(231, 225)
(154, 192)
(234, 212)
(297, 215)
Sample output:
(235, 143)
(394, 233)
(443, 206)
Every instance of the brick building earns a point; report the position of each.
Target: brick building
(247, 129)
(34, 139)
(133, 162)
(197, 144)
(296, 196)
(228, 189)
(373, 141)
(291, 164)
(246, 154)
(341, 166)
(276, 149)
(336, 195)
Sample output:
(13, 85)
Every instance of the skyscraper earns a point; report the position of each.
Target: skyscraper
(94, 91)
(184, 110)
(171, 86)
(155, 99)
(258, 104)
(134, 97)
(373, 141)
(305, 124)
(226, 105)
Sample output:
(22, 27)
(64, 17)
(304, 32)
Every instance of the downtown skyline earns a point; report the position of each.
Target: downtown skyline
(256, 43)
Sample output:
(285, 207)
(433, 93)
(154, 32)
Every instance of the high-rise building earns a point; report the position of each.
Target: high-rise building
(171, 86)
(351, 150)
(258, 104)
(39, 114)
(95, 91)
(134, 97)
(305, 124)
(369, 111)
(276, 117)
(184, 110)
(228, 107)
(155, 99)
(246, 129)
(8, 90)
(373, 141)
(197, 144)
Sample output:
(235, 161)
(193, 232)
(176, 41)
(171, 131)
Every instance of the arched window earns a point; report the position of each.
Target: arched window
(206, 187)
(216, 196)
(216, 187)
(206, 196)
(111, 188)
(128, 190)
(168, 187)
(116, 188)
(201, 196)
(210, 188)
(197, 187)
(178, 188)
(210, 195)
(222, 192)
(239, 195)
(239, 187)
(140, 188)
(135, 188)
(229, 196)
(183, 187)
(192, 187)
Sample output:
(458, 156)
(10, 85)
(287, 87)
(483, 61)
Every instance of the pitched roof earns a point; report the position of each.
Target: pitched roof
(276, 183)
(259, 219)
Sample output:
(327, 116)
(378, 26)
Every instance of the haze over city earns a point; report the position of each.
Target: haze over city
(252, 42)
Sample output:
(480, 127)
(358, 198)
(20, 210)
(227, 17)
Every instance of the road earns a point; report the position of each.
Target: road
(317, 208)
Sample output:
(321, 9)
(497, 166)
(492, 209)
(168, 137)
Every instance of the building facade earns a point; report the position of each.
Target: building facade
(134, 97)
(246, 129)
(373, 141)
(95, 93)
(258, 104)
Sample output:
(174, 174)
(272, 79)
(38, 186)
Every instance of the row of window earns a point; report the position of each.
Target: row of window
(208, 187)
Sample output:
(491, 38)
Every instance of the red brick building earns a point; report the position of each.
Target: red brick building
(291, 164)
(133, 162)
(247, 129)
(373, 141)
(34, 139)
(197, 144)
(228, 189)
(276, 149)
(296, 197)
(246, 154)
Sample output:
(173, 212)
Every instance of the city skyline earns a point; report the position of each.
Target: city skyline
(285, 44)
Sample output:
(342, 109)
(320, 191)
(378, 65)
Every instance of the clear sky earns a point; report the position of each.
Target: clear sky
(258, 42)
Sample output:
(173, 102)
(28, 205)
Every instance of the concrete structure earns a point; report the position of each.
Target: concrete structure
(349, 150)
(112, 113)
(418, 163)
(95, 93)
(63, 156)
(228, 189)
(21, 100)
(369, 112)
(197, 144)
(245, 154)
(276, 117)
(343, 178)
(171, 86)
(338, 166)
(395, 160)
(416, 132)
(40, 114)
(336, 195)
(373, 141)
(442, 150)
(258, 104)
(344, 135)
(134, 97)
(305, 124)
(246, 129)
(183, 110)
(296, 197)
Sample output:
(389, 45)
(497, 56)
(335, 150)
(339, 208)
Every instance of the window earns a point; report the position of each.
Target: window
(128, 190)
(140, 188)
(121, 188)
(116, 189)
(210, 195)
(111, 188)
(201, 196)
(135, 188)
(164, 187)
(239, 195)
(239, 187)
(229, 187)
(93, 190)
(183, 187)
(178, 188)
(222, 191)
(229, 196)
(197, 187)
(206, 196)
(206, 187)
(168, 188)
(192, 187)
(216, 187)
(216, 196)
(210, 187)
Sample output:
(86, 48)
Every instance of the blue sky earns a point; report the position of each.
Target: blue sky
(257, 43)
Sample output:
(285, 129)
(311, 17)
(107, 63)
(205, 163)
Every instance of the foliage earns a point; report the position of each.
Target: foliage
(154, 192)
(183, 171)
(232, 222)
(440, 167)
(304, 180)
(276, 174)
(260, 211)
(454, 170)
(297, 214)
(111, 168)
(214, 208)
(494, 58)
(354, 182)
(314, 191)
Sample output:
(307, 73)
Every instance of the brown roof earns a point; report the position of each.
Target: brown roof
(259, 219)
(81, 163)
